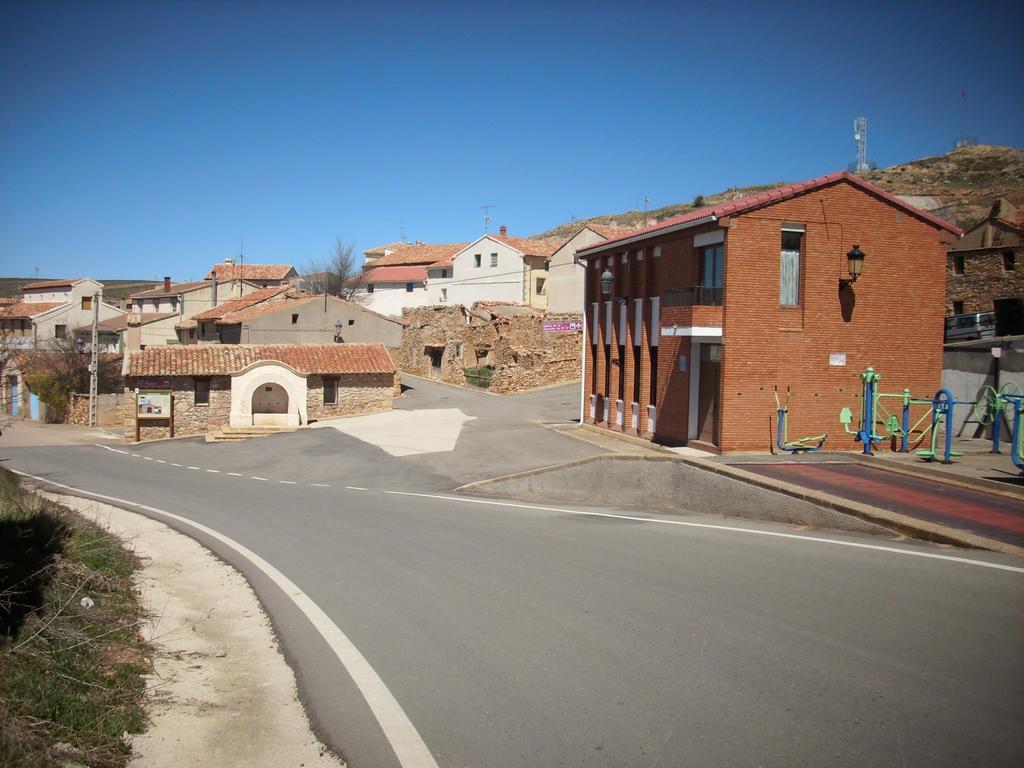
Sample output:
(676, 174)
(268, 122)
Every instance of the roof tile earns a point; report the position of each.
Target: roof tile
(226, 359)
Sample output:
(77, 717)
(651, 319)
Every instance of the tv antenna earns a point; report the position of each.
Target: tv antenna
(487, 216)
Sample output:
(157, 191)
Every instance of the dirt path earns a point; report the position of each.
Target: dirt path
(221, 693)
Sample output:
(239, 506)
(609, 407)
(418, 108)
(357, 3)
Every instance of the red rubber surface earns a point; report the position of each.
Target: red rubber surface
(985, 514)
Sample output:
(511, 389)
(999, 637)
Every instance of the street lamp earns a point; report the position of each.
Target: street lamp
(337, 330)
(854, 265)
(607, 278)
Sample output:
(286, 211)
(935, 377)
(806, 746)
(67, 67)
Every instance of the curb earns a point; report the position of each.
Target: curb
(918, 529)
(632, 439)
(926, 472)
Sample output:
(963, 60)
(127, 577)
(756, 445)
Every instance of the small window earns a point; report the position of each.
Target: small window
(87, 302)
(444, 294)
(540, 286)
(625, 257)
(476, 259)
(444, 273)
(351, 322)
(958, 265)
(789, 268)
(958, 307)
(494, 259)
(330, 391)
(657, 252)
(369, 288)
(60, 331)
(295, 319)
(1009, 261)
(202, 391)
(408, 287)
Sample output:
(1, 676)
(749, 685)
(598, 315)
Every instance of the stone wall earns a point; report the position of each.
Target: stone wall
(108, 409)
(357, 393)
(189, 418)
(984, 279)
(523, 355)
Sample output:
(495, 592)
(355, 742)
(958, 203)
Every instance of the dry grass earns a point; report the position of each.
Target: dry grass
(71, 676)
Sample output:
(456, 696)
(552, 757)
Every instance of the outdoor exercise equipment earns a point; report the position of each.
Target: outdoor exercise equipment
(1016, 439)
(801, 445)
(992, 407)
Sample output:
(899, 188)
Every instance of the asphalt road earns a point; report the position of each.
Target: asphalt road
(512, 635)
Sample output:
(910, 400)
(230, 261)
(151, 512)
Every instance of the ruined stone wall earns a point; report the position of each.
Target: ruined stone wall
(189, 418)
(357, 393)
(523, 355)
(985, 277)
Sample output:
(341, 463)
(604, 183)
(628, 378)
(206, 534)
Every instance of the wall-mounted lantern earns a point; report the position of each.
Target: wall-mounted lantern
(337, 330)
(607, 278)
(854, 265)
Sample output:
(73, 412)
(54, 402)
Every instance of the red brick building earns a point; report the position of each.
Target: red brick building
(709, 311)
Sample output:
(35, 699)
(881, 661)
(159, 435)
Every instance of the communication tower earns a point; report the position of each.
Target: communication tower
(860, 135)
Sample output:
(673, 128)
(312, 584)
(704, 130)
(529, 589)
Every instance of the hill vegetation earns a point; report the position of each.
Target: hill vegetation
(963, 183)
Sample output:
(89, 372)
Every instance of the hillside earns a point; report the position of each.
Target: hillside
(962, 182)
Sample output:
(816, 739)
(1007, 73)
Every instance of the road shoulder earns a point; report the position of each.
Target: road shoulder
(221, 692)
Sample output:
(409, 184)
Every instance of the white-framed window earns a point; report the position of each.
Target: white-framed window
(789, 265)
(540, 286)
(494, 259)
(444, 294)
(624, 257)
(657, 252)
(476, 260)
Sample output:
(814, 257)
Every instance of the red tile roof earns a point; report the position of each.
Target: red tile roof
(25, 309)
(611, 233)
(395, 275)
(237, 305)
(529, 246)
(225, 359)
(176, 288)
(771, 196)
(263, 307)
(51, 284)
(252, 271)
(421, 254)
(397, 246)
(120, 322)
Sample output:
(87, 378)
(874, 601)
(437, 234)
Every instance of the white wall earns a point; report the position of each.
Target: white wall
(71, 315)
(565, 277)
(391, 298)
(469, 283)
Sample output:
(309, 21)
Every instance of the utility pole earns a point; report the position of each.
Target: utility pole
(94, 365)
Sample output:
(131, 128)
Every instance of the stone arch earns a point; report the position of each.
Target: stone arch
(288, 387)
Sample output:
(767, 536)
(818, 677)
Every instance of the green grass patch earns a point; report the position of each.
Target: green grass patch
(71, 676)
(479, 377)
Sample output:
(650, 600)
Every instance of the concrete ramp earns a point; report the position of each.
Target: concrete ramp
(667, 484)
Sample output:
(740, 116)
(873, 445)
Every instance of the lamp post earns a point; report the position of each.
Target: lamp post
(854, 265)
(607, 278)
(337, 330)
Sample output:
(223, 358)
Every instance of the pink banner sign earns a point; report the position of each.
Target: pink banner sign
(554, 326)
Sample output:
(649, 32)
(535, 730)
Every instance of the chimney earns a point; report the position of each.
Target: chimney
(167, 285)
(502, 230)
(213, 290)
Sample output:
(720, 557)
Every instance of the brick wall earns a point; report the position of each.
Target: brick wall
(892, 318)
(984, 280)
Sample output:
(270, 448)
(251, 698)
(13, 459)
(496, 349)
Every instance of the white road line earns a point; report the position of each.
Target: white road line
(135, 455)
(288, 482)
(235, 474)
(160, 461)
(321, 485)
(405, 740)
(175, 464)
(148, 458)
(214, 471)
(115, 450)
(354, 488)
(194, 467)
(730, 528)
(253, 477)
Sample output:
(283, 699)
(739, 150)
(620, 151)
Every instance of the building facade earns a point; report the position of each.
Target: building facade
(708, 313)
(49, 311)
(566, 273)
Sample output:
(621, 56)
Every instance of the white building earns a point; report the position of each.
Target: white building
(398, 279)
(565, 273)
(493, 268)
(51, 310)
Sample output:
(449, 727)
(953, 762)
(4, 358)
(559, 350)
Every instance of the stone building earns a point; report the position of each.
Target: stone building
(188, 390)
(524, 347)
(984, 269)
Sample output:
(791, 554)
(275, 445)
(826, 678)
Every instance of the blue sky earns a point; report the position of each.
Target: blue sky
(144, 139)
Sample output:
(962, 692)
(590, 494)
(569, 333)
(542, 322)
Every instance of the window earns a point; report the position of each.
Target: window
(654, 376)
(958, 307)
(330, 391)
(958, 265)
(295, 319)
(1008, 261)
(789, 268)
(494, 259)
(711, 266)
(369, 288)
(444, 273)
(202, 392)
(540, 286)
(476, 259)
(60, 331)
(87, 302)
(408, 287)
(657, 252)
(444, 294)
(351, 322)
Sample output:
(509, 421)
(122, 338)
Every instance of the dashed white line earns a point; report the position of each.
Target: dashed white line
(405, 740)
(235, 474)
(253, 477)
(214, 471)
(175, 464)
(194, 467)
(135, 455)
(148, 458)
(115, 450)
(160, 461)
(354, 488)
(729, 528)
(321, 485)
(288, 482)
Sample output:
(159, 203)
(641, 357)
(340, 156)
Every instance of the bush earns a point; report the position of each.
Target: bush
(479, 377)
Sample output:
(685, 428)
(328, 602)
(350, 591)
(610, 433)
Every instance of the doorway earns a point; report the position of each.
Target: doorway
(269, 405)
(435, 355)
(708, 379)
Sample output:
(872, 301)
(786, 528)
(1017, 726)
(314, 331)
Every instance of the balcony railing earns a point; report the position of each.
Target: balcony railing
(694, 296)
